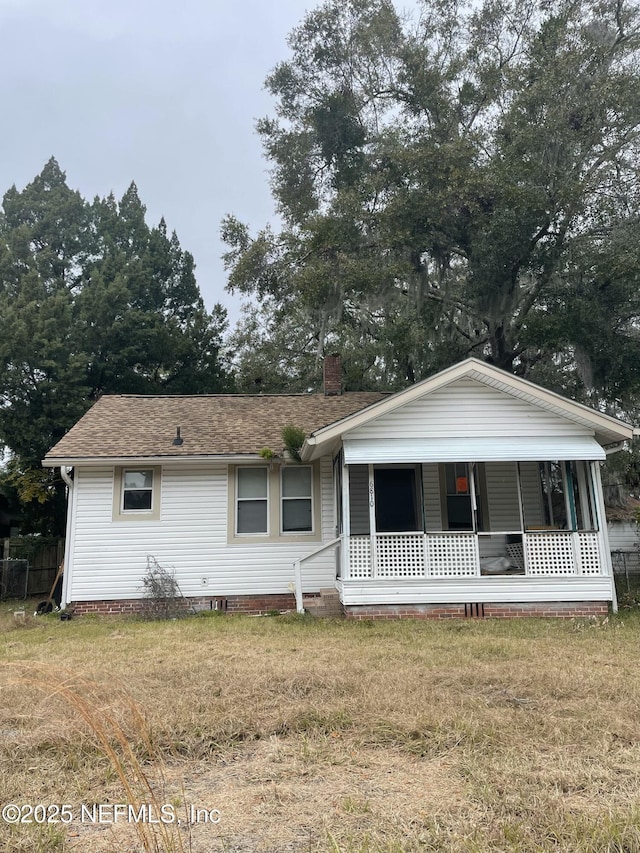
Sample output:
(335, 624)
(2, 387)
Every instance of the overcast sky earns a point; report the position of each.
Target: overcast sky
(163, 93)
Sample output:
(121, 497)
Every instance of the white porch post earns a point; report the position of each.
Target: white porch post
(297, 582)
(471, 468)
(346, 521)
(603, 536)
(372, 522)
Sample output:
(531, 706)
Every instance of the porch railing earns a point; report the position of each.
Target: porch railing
(453, 555)
(297, 570)
(562, 553)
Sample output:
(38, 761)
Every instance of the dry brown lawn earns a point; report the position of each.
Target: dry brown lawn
(322, 736)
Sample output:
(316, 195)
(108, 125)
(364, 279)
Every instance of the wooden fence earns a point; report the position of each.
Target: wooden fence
(44, 557)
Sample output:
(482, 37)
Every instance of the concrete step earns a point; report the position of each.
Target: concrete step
(325, 604)
(330, 594)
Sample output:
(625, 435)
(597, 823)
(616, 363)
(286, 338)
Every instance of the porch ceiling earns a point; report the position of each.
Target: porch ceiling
(478, 449)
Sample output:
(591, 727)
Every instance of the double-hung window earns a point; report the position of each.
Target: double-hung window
(137, 490)
(297, 499)
(274, 502)
(252, 501)
(137, 493)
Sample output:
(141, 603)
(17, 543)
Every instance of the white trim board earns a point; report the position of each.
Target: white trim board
(479, 449)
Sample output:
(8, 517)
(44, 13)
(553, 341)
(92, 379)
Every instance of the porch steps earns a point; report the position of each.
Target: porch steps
(325, 604)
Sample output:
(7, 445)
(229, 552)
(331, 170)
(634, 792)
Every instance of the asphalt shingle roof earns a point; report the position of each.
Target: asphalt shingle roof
(227, 424)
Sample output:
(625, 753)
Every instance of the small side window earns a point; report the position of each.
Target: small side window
(137, 493)
(137, 490)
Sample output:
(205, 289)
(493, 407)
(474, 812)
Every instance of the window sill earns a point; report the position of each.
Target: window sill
(280, 539)
(128, 517)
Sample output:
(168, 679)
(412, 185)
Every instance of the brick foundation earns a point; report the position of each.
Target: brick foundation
(544, 609)
(254, 605)
(404, 611)
(248, 604)
(128, 607)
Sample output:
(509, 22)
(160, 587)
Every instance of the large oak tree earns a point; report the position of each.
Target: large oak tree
(462, 183)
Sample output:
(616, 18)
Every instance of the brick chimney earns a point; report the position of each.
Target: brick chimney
(332, 375)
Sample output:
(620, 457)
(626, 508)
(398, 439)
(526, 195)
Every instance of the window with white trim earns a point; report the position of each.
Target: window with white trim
(137, 490)
(252, 501)
(297, 499)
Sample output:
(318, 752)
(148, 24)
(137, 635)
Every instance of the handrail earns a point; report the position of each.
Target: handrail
(297, 570)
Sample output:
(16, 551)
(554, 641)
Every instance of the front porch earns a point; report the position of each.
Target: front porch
(483, 532)
(472, 487)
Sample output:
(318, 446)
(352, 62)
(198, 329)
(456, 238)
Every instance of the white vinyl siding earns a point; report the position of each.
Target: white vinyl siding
(472, 449)
(481, 589)
(467, 409)
(531, 494)
(503, 502)
(623, 536)
(359, 499)
(431, 492)
(110, 557)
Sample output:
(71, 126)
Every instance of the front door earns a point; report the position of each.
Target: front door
(396, 500)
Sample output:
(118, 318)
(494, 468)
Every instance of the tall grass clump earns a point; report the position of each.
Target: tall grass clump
(118, 732)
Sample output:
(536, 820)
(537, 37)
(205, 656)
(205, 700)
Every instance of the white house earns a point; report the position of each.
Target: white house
(472, 492)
